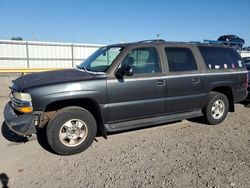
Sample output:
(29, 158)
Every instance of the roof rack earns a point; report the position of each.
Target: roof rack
(225, 43)
(195, 42)
(151, 41)
(235, 45)
(213, 42)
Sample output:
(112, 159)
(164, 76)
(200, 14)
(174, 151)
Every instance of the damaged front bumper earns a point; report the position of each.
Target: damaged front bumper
(22, 124)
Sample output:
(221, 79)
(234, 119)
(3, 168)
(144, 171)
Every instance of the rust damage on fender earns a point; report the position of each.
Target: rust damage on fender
(45, 117)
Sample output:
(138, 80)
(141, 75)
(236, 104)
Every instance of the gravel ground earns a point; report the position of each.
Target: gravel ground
(183, 154)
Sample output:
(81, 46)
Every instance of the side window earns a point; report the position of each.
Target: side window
(143, 60)
(180, 59)
(221, 58)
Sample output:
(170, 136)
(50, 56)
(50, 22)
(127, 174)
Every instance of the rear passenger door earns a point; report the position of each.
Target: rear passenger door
(184, 83)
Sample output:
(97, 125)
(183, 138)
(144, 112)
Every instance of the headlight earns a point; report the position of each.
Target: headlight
(22, 96)
(21, 102)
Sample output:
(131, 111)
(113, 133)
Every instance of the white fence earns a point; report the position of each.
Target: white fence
(32, 54)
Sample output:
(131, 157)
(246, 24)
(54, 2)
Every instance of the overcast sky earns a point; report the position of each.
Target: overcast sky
(110, 21)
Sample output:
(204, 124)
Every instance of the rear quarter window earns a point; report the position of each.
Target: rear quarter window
(218, 58)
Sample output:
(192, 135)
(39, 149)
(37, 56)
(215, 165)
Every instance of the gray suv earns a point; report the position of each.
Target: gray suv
(127, 86)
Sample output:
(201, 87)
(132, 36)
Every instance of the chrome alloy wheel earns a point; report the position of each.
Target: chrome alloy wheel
(73, 132)
(218, 109)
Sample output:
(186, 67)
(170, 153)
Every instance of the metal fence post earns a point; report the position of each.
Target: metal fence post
(27, 54)
(72, 52)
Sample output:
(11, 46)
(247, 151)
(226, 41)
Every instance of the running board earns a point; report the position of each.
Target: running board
(133, 124)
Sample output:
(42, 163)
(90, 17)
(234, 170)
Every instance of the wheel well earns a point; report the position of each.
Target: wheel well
(89, 104)
(229, 94)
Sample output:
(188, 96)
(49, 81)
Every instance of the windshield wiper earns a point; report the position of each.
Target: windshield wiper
(84, 68)
(89, 71)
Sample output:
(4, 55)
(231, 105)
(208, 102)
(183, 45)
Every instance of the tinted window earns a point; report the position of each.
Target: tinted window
(180, 59)
(221, 58)
(143, 60)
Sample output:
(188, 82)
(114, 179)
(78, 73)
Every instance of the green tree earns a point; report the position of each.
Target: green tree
(16, 38)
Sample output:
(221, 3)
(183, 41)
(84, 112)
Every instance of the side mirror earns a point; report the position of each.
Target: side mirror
(124, 70)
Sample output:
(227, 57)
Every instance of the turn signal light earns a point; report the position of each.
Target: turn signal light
(25, 109)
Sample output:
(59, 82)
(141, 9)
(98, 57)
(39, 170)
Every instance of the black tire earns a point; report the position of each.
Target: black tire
(57, 124)
(208, 112)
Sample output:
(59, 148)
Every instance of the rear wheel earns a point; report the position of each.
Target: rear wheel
(71, 131)
(216, 109)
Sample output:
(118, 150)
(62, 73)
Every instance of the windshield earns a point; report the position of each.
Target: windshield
(100, 60)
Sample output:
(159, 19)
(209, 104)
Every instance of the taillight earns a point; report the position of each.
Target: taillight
(245, 81)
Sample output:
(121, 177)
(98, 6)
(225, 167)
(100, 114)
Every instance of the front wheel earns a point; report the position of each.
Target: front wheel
(71, 131)
(216, 109)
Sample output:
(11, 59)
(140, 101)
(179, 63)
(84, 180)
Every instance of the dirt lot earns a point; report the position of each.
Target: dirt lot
(183, 154)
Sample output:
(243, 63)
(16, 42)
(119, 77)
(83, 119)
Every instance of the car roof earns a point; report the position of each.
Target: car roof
(234, 36)
(163, 42)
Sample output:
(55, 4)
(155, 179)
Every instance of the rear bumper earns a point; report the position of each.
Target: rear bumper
(22, 125)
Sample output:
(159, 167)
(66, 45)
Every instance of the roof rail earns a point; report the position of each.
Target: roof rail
(235, 45)
(151, 41)
(225, 43)
(195, 42)
(213, 42)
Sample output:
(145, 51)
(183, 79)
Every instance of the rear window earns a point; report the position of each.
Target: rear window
(221, 58)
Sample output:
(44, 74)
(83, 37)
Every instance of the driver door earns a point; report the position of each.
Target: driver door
(141, 95)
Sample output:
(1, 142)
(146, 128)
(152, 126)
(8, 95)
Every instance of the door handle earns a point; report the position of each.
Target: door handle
(195, 79)
(160, 82)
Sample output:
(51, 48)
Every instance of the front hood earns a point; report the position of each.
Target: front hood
(51, 77)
